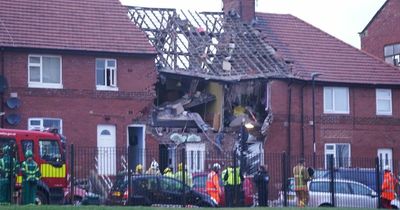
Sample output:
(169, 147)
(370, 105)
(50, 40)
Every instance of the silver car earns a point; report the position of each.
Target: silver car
(347, 194)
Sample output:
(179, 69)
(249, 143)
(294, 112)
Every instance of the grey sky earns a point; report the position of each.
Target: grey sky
(340, 18)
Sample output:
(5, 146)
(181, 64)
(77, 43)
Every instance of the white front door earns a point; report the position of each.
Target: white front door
(106, 152)
(195, 154)
(385, 158)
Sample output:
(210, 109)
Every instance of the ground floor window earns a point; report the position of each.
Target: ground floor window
(341, 155)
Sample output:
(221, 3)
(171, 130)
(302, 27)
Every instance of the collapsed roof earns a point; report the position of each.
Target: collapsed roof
(208, 45)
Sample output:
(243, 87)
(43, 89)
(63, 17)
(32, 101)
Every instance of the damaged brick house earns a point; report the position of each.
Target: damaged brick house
(79, 66)
(326, 98)
(379, 37)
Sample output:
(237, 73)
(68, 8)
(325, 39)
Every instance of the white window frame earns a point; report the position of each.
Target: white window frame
(380, 98)
(41, 126)
(333, 152)
(333, 110)
(42, 84)
(113, 72)
(392, 54)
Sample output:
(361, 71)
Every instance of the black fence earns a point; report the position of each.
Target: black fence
(177, 176)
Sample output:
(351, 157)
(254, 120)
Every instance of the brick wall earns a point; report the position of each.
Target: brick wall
(78, 104)
(383, 30)
(365, 131)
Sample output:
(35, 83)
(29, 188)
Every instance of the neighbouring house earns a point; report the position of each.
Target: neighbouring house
(81, 67)
(381, 36)
(308, 93)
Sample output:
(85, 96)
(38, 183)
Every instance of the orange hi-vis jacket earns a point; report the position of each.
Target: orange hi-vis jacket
(388, 186)
(212, 186)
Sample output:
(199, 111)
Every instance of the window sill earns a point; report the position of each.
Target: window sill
(105, 88)
(43, 85)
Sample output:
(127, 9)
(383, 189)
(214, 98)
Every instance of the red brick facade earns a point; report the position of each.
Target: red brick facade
(245, 8)
(382, 29)
(361, 128)
(78, 104)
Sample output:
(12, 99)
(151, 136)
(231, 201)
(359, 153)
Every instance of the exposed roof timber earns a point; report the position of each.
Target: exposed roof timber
(208, 45)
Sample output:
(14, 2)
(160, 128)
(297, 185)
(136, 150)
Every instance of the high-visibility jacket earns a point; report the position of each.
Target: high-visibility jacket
(6, 167)
(169, 174)
(30, 170)
(301, 177)
(212, 186)
(188, 177)
(388, 186)
(228, 175)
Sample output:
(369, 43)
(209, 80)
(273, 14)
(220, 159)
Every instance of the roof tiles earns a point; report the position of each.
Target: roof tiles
(312, 50)
(89, 25)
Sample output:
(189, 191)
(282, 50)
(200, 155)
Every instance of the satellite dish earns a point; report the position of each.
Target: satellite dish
(13, 103)
(13, 119)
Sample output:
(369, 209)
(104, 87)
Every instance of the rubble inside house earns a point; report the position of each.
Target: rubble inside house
(213, 72)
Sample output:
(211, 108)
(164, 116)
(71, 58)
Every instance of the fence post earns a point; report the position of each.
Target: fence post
(183, 156)
(72, 173)
(235, 193)
(332, 177)
(284, 178)
(129, 172)
(378, 180)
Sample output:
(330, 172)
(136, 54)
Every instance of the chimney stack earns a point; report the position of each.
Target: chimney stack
(245, 8)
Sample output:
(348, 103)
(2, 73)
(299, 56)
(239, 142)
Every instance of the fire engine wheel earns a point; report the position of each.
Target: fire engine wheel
(41, 198)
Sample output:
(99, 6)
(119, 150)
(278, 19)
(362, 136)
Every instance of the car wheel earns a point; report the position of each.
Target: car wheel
(325, 205)
(41, 198)
(77, 201)
(204, 204)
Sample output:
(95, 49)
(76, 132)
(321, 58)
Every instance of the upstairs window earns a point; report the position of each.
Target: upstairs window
(45, 123)
(44, 71)
(392, 54)
(336, 100)
(106, 74)
(383, 102)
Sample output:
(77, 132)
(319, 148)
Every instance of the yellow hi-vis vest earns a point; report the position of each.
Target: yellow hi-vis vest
(230, 175)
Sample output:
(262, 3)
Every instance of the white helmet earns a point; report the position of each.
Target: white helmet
(154, 164)
(216, 166)
(387, 168)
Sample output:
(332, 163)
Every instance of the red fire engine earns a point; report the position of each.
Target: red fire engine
(48, 149)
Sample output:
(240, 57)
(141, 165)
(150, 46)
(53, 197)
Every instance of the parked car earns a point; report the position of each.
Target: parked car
(199, 184)
(348, 193)
(150, 190)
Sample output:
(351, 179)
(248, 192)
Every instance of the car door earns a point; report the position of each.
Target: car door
(363, 196)
(171, 190)
(343, 195)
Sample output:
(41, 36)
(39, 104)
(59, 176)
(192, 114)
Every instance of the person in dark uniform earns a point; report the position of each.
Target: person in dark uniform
(261, 178)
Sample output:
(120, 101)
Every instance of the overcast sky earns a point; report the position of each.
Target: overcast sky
(343, 19)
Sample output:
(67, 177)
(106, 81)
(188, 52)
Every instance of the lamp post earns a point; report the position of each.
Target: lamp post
(313, 76)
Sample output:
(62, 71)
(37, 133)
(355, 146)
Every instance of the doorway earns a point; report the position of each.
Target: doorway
(136, 142)
(385, 158)
(106, 153)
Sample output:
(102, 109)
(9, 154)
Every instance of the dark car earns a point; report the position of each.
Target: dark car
(199, 184)
(150, 190)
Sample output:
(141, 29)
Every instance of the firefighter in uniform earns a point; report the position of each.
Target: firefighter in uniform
(213, 188)
(30, 177)
(139, 169)
(8, 169)
(388, 188)
(301, 177)
(168, 172)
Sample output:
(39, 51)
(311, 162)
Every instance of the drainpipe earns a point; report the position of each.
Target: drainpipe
(289, 120)
(302, 121)
(2, 93)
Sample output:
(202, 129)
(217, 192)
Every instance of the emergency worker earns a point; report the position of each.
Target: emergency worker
(301, 177)
(154, 168)
(213, 188)
(188, 176)
(233, 179)
(388, 188)
(30, 177)
(8, 171)
(139, 169)
(168, 172)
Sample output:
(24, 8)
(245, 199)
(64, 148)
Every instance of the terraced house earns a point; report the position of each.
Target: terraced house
(79, 66)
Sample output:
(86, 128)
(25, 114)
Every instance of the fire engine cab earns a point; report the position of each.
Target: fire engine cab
(48, 149)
